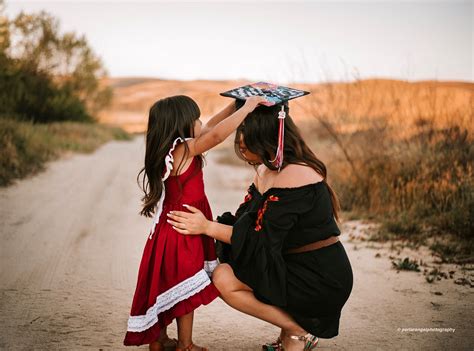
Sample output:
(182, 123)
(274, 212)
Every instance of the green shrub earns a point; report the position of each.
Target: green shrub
(26, 146)
(26, 94)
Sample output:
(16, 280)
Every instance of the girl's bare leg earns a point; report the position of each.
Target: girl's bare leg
(241, 297)
(185, 331)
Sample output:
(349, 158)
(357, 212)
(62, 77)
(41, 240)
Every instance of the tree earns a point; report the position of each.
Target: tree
(34, 42)
(4, 31)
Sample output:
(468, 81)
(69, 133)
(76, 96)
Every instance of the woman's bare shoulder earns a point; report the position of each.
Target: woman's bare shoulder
(295, 175)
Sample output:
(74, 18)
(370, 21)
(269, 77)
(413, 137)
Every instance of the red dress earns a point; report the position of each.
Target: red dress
(174, 273)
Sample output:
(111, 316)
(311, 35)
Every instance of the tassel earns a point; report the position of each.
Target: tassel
(278, 160)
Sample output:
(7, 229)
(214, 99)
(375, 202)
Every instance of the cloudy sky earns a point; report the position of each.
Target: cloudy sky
(290, 41)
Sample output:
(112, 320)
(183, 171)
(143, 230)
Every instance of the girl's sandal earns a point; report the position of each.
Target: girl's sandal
(190, 347)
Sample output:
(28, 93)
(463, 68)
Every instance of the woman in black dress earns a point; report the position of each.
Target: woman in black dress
(285, 264)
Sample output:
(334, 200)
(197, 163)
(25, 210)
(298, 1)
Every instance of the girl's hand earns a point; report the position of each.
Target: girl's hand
(193, 222)
(252, 102)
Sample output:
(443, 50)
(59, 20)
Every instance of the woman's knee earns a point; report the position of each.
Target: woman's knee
(221, 277)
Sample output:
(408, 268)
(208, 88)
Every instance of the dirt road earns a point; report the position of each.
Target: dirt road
(71, 241)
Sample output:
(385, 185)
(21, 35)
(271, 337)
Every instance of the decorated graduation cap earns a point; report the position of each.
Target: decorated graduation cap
(274, 94)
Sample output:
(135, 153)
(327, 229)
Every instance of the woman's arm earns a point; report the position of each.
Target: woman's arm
(218, 231)
(220, 116)
(223, 129)
(195, 223)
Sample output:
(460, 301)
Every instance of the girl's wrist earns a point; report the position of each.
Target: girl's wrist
(246, 109)
(232, 107)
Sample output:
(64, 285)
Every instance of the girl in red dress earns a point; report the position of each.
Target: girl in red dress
(175, 269)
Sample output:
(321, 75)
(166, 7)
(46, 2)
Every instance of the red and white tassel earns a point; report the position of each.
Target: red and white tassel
(278, 160)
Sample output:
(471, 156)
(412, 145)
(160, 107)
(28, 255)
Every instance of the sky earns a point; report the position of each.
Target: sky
(292, 41)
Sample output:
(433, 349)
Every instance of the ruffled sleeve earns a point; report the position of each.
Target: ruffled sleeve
(258, 237)
(169, 159)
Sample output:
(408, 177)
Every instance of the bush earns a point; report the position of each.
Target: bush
(429, 184)
(23, 150)
(46, 75)
(26, 94)
(27, 146)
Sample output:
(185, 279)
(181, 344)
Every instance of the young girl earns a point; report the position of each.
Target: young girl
(173, 278)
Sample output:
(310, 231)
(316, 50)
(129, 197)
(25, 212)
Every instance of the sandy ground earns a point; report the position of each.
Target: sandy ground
(71, 242)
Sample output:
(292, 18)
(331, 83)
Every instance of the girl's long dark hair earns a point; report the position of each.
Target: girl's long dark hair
(168, 119)
(260, 135)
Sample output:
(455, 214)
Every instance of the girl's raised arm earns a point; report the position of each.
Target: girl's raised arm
(219, 116)
(223, 129)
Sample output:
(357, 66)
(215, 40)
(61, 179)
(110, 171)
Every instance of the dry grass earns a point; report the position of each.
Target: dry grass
(26, 147)
(403, 153)
(352, 103)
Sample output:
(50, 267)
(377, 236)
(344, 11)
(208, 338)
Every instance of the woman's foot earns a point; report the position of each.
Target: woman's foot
(274, 345)
(271, 346)
(298, 341)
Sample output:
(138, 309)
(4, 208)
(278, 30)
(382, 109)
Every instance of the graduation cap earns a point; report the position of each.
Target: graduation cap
(275, 94)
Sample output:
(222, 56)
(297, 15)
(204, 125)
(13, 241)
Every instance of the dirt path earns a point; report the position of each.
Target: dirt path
(71, 241)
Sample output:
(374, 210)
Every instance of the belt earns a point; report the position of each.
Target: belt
(314, 246)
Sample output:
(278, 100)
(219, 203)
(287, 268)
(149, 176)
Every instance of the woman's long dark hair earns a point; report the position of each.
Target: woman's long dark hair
(168, 119)
(260, 135)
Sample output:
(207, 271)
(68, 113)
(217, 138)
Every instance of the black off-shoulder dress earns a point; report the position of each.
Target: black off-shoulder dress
(311, 286)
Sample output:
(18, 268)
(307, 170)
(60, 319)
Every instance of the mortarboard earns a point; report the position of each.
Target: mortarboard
(275, 94)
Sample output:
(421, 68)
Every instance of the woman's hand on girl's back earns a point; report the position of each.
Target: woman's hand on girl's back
(193, 222)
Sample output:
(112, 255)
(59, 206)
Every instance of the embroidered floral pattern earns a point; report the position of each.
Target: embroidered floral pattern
(247, 198)
(261, 211)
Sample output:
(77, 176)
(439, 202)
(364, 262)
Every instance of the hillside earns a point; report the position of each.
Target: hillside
(346, 104)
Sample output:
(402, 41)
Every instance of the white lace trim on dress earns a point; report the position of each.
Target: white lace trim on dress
(169, 167)
(168, 299)
(209, 266)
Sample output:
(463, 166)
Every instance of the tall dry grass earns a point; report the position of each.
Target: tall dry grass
(27, 146)
(400, 152)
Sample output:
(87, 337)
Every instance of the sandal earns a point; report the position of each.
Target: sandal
(310, 343)
(190, 347)
(272, 346)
